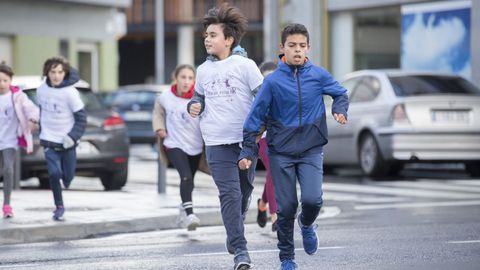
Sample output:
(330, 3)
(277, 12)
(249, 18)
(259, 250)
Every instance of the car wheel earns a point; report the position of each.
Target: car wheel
(44, 182)
(371, 160)
(114, 180)
(473, 168)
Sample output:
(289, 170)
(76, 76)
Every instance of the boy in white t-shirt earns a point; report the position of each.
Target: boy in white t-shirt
(62, 123)
(224, 92)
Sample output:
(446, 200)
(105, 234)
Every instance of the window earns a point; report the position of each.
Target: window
(404, 86)
(366, 90)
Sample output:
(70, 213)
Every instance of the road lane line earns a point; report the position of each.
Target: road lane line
(18, 265)
(416, 205)
(464, 242)
(252, 251)
(434, 186)
(397, 191)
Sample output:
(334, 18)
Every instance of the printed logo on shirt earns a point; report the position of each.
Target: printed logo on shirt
(220, 86)
(6, 113)
(50, 106)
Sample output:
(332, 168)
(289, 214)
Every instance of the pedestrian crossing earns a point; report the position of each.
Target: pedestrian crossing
(404, 194)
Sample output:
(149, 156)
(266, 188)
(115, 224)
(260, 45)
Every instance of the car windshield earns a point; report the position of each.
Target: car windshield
(127, 98)
(432, 85)
(88, 97)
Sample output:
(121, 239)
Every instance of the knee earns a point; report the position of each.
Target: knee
(287, 211)
(8, 172)
(314, 203)
(55, 175)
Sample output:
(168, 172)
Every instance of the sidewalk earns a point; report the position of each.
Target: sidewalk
(92, 212)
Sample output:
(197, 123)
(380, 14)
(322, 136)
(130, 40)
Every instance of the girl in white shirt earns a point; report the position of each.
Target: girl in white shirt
(18, 119)
(181, 135)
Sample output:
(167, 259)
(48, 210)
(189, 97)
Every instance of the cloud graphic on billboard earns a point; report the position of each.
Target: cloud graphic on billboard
(436, 44)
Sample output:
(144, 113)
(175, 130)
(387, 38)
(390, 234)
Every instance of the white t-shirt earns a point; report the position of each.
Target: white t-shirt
(182, 129)
(57, 108)
(8, 122)
(227, 85)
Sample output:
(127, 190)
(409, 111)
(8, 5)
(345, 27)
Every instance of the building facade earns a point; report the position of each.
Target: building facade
(86, 32)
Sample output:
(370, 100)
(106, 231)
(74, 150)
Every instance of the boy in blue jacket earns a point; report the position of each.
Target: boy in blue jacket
(290, 104)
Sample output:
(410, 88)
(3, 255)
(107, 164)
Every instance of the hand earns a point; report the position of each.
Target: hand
(68, 142)
(244, 164)
(195, 109)
(162, 133)
(340, 118)
(33, 126)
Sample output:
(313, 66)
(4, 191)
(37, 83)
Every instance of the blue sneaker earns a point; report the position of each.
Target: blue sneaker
(242, 261)
(288, 265)
(58, 213)
(310, 237)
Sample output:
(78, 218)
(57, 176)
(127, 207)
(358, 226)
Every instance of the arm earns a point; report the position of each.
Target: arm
(196, 106)
(340, 98)
(79, 125)
(158, 119)
(253, 124)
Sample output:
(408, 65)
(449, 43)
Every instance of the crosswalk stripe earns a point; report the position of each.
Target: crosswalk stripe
(466, 182)
(397, 191)
(434, 185)
(417, 205)
(338, 196)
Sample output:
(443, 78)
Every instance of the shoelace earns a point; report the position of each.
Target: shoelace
(309, 232)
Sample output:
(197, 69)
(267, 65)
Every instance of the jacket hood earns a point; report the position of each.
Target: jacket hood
(72, 79)
(238, 50)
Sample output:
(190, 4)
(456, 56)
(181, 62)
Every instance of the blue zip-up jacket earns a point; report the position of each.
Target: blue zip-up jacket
(291, 105)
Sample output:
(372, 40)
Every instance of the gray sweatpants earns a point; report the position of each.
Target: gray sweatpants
(235, 187)
(7, 159)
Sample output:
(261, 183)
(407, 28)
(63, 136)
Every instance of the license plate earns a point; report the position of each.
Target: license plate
(86, 148)
(137, 116)
(452, 116)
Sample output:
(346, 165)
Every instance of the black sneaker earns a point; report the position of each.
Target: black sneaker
(275, 226)
(261, 216)
(242, 261)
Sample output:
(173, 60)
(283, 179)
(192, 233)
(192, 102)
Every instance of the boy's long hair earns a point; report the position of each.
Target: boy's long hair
(234, 23)
(292, 29)
(4, 68)
(53, 63)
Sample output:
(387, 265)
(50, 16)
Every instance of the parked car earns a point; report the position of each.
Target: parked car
(135, 104)
(102, 152)
(397, 117)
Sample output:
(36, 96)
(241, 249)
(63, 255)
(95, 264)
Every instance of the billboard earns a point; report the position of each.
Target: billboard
(436, 37)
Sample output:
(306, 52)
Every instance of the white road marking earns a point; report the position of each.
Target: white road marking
(18, 265)
(410, 192)
(252, 251)
(464, 242)
(416, 205)
(435, 186)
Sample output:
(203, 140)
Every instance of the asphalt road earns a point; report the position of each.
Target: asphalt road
(425, 219)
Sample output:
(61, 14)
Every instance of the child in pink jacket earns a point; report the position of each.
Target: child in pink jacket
(18, 118)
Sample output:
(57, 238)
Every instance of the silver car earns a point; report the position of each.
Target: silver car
(397, 117)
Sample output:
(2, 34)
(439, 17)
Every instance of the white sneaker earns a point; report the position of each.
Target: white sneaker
(181, 220)
(192, 222)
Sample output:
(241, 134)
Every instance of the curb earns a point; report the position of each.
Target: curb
(65, 232)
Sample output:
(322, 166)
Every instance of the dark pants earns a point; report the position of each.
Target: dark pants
(235, 187)
(308, 169)
(187, 167)
(61, 165)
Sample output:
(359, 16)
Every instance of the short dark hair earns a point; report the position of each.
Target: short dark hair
(267, 66)
(53, 63)
(4, 68)
(180, 67)
(292, 29)
(233, 22)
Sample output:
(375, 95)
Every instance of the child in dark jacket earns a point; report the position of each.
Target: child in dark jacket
(62, 123)
(290, 102)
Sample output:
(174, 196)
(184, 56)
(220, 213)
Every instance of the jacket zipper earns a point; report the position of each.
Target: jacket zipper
(297, 78)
